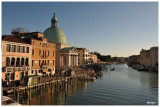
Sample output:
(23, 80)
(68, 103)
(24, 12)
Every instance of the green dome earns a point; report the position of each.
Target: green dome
(56, 35)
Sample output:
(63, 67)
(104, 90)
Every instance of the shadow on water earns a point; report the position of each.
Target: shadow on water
(54, 94)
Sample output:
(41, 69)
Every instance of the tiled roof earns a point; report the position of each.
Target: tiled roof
(13, 39)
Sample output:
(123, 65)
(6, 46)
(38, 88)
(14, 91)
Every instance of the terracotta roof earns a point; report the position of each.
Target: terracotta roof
(13, 39)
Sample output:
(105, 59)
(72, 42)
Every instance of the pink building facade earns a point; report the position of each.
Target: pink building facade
(16, 59)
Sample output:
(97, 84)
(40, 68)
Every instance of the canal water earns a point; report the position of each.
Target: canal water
(122, 86)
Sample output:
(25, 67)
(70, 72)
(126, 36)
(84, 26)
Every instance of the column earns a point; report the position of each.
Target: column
(15, 61)
(74, 60)
(10, 59)
(70, 60)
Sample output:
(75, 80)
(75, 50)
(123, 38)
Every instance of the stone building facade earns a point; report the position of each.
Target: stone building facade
(133, 60)
(92, 58)
(43, 53)
(149, 57)
(83, 56)
(69, 57)
(16, 58)
(64, 59)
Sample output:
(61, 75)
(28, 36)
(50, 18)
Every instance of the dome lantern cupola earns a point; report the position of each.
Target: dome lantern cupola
(54, 21)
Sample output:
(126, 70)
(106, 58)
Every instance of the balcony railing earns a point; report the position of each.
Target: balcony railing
(17, 68)
(44, 65)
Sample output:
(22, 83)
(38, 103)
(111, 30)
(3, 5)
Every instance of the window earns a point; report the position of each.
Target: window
(8, 48)
(48, 62)
(32, 71)
(39, 62)
(53, 53)
(23, 49)
(39, 52)
(45, 53)
(12, 76)
(32, 62)
(13, 48)
(27, 49)
(53, 62)
(18, 48)
(32, 51)
(32, 42)
(48, 53)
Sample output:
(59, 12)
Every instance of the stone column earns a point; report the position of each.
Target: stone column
(76, 60)
(69, 60)
(15, 61)
(10, 60)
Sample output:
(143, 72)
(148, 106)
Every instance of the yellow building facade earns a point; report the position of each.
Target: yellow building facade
(83, 56)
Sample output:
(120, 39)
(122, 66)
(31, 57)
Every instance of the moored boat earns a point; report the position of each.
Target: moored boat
(9, 101)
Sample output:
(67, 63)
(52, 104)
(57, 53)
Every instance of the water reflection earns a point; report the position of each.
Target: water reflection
(123, 86)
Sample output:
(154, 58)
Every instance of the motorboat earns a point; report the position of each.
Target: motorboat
(112, 69)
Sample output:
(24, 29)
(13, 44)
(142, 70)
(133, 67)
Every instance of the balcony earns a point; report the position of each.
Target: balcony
(44, 65)
(8, 69)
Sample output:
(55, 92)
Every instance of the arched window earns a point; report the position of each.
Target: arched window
(7, 61)
(22, 61)
(26, 62)
(18, 62)
(13, 61)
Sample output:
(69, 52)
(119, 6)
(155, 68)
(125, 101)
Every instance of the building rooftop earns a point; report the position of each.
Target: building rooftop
(12, 39)
(67, 49)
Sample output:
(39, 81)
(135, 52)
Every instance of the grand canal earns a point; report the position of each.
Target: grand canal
(123, 86)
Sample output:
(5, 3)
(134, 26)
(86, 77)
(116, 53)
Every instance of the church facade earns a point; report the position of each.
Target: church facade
(66, 56)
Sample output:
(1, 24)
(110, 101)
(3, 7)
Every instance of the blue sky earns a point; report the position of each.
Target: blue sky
(110, 28)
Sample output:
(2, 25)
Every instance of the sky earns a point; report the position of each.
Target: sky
(111, 28)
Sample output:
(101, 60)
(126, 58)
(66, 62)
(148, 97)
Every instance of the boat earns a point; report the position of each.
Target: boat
(112, 69)
(9, 101)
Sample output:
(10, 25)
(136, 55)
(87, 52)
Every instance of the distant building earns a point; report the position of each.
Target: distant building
(149, 57)
(16, 59)
(83, 56)
(93, 58)
(121, 60)
(133, 60)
